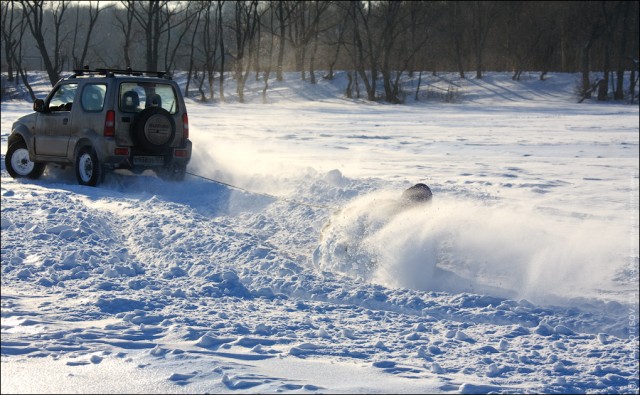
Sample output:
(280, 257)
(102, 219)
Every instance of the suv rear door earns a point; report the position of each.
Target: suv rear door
(135, 96)
(53, 127)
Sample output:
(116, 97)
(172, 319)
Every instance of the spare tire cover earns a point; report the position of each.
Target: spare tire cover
(154, 129)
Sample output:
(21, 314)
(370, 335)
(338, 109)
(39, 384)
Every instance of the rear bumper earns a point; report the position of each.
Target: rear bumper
(130, 158)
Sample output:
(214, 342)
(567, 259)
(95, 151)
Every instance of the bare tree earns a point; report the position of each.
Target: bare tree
(392, 19)
(303, 31)
(245, 28)
(320, 8)
(458, 25)
(588, 20)
(34, 15)
(283, 12)
(445, 48)
(366, 45)
(191, 11)
(622, 51)
(480, 26)
(268, 52)
(210, 44)
(152, 21)
(280, 12)
(610, 17)
(400, 20)
(16, 55)
(375, 41)
(297, 27)
(94, 13)
(11, 23)
(335, 36)
(221, 45)
(201, 7)
(126, 26)
(633, 59)
(529, 34)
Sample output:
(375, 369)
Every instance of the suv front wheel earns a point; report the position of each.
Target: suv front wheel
(88, 169)
(18, 163)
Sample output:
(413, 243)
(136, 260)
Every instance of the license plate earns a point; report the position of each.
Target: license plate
(148, 160)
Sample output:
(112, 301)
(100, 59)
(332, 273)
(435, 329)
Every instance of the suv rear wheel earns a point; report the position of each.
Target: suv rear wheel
(18, 163)
(88, 169)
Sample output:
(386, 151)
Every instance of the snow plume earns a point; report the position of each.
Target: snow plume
(470, 246)
(255, 166)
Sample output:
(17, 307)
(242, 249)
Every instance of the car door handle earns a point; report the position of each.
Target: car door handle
(65, 121)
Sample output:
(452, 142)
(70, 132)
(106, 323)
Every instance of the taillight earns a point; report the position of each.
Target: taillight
(185, 126)
(110, 124)
(181, 153)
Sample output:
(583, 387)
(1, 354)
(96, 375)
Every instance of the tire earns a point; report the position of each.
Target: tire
(19, 164)
(88, 169)
(173, 173)
(154, 129)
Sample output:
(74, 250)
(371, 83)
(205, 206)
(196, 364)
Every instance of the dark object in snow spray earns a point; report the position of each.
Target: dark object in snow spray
(419, 193)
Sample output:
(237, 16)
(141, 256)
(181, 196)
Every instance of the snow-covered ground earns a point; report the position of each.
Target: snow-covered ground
(299, 272)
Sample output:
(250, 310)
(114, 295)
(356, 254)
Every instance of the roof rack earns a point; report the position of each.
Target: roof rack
(111, 72)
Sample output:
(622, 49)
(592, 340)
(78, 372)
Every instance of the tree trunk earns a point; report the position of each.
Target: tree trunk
(203, 97)
(222, 53)
(603, 86)
(281, 20)
(348, 92)
(457, 38)
(312, 59)
(619, 89)
(418, 87)
(633, 79)
(586, 83)
(191, 50)
(480, 28)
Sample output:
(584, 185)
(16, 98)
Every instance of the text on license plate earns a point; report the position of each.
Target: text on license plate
(148, 160)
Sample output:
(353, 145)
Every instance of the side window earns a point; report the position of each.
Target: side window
(93, 97)
(63, 97)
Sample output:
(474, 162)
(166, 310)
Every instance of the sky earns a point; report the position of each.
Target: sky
(286, 262)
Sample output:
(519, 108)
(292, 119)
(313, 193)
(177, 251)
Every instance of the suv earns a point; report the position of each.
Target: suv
(104, 119)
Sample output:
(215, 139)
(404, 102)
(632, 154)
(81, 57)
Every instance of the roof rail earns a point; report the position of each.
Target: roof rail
(111, 72)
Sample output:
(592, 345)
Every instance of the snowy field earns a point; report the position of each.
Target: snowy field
(299, 272)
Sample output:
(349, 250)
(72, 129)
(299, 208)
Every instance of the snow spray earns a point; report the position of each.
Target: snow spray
(455, 245)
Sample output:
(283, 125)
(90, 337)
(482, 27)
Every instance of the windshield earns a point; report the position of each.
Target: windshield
(63, 98)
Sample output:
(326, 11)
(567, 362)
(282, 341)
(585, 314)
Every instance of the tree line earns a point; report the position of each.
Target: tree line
(374, 42)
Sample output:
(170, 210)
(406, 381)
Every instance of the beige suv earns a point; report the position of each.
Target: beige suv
(104, 119)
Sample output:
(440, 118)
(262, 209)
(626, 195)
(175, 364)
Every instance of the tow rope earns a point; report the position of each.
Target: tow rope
(261, 193)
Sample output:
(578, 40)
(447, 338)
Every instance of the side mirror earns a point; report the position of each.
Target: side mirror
(38, 105)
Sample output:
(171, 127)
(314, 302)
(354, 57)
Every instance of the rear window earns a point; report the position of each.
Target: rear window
(136, 96)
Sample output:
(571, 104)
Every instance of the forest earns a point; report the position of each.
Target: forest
(374, 42)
